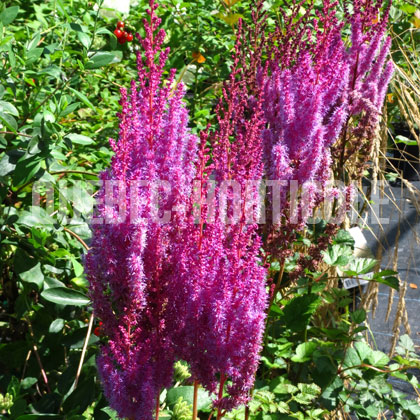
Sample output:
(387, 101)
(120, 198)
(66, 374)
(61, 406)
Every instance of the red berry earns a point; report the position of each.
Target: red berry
(122, 40)
(97, 331)
(120, 24)
(129, 37)
(118, 33)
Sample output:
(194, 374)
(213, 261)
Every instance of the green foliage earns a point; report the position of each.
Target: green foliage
(186, 393)
(315, 357)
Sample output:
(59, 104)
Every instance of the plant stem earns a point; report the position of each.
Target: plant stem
(157, 407)
(16, 134)
(75, 235)
(278, 284)
(222, 383)
(195, 398)
(34, 346)
(82, 357)
(247, 412)
(73, 171)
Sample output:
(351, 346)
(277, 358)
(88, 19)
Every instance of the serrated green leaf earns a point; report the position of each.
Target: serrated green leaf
(304, 352)
(361, 266)
(283, 388)
(299, 310)
(337, 255)
(358, 316)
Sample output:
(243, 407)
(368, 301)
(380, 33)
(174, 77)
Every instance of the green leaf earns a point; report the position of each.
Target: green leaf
(26, 169)
(28, 382)
(358, 316)
(80, 139)
(34, 276)
(337, 255)
(344, 237)
(103, 30)
(84, 39)
(378, 359)
(34, 42)
(312, 390)
(110, 412)
(405, 140)
(284, 388)
(7, 164)
(56, 326)
(299, 310)
(8, 15)
(82, 97)
(102, 58)
(384, 273)
(360, 266)
(405, 345)
(230, 18)
(304, 352)
(8, 108)
(78, 268)
(187, 393)
(8, 121)
(65, 296)
(35, 216)
(31, 57)
(388, 281)
(39, 417)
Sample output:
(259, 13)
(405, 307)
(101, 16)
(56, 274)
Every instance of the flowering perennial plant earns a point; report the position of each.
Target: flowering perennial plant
(322, 105)
(195, 288)
(221, 279)
(128, 264)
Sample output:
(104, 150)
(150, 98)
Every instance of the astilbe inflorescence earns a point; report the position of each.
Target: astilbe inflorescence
(323, 100)
(370, 73)
(219, 272)
(129, 262)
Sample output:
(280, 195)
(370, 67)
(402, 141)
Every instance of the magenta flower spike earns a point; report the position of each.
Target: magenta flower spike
(219, 290)
(129, 263)
(315, 91)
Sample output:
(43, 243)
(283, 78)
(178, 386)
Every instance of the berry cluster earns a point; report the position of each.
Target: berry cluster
(122, 35)
(98, 330)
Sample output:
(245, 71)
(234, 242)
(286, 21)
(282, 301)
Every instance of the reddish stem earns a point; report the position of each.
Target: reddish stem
(222, 383)
(157, 407)
(195, 398)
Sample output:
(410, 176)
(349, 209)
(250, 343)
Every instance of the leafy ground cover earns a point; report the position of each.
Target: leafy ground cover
(61, 71)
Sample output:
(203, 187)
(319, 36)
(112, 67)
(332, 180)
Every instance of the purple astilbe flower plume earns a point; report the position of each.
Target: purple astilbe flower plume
(219, 287)
(305, 109)
(370, 73)
(129, 263)
(322, 97)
